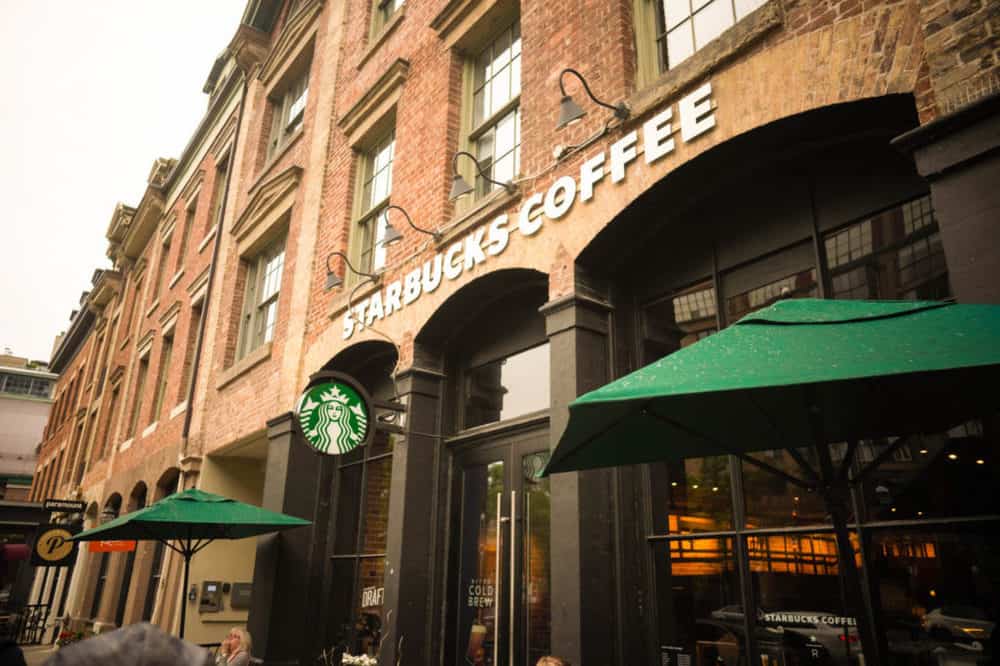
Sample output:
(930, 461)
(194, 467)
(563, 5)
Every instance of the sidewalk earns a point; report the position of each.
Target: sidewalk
(35, 655)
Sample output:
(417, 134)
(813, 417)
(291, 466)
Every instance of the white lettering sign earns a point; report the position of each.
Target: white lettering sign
(696, 113)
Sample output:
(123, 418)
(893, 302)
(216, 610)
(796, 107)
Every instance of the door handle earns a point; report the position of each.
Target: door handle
(496, 581)
(513, 573)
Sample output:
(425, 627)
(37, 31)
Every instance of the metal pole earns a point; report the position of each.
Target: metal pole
(835, 494)
(184, 599)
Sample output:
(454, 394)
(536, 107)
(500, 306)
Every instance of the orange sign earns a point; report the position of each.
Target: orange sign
(111, 546)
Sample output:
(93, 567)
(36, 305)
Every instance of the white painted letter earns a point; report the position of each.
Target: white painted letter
(696, 113)
(622, 152)
(432, 273)
(374, 308)
(451, 270)
(392, 294)
(525, 224)
(411, 286)
(348, 325)
(556, 209)
(591, 172)
(498, 236)
(474, 248)
(656, 139)
(359, 312)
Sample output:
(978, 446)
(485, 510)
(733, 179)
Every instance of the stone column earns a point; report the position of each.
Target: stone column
(959, 154)
(288, 568)
(583, 585)
(413, 523)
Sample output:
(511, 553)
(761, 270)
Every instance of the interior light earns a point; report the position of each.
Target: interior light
(923, 452)
(933, 593)
(673, 483)
(893, 509)
(796, 498)
(952, 456)
(715, 489)
(695, 486)
(920, 513)
(980, 461)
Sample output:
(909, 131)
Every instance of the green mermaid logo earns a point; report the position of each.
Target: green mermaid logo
(333, 418)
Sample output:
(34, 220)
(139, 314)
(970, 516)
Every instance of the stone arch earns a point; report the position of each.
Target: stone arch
(371, 362)
(167, 483)
(137, 497)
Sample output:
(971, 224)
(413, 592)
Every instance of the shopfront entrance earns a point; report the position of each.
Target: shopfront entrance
(501, 599)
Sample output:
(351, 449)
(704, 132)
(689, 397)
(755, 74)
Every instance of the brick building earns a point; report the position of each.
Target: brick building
(748, 150)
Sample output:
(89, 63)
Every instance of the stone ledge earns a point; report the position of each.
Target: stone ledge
(482, 212)
(380, 38)
(252, 359)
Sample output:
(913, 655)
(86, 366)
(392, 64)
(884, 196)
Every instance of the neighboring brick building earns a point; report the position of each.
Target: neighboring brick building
(766, 149)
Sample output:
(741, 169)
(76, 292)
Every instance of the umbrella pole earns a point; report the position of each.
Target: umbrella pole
(834, 491)
(187, 567)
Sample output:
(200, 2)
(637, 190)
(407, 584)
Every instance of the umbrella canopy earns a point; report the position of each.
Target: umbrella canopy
(192, 515)
(847, 368)
(194, 519)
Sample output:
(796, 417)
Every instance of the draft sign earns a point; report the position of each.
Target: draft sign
(334, 415)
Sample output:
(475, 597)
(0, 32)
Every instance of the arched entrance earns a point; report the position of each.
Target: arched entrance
(490, 342)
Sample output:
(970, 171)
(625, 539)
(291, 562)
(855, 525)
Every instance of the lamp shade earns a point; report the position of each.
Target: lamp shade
(333, 280)
(458, 187)
(569, 112)
(392, 235)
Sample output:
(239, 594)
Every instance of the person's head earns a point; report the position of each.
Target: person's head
(552, 661)
(238, 640)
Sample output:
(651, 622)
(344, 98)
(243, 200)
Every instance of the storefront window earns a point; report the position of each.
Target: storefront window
(939, 591)
(896, 254)
(679, 320)
(692, 496)
(800, 615)
(798, 285)
(537, 556)
(507, 388)
(362, 512)
(773, 501)
(701, 621)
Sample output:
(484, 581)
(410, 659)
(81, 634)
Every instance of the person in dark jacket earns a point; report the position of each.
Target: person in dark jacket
(130, 646)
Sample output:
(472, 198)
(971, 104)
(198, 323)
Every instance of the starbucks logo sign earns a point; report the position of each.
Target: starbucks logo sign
(334, 417)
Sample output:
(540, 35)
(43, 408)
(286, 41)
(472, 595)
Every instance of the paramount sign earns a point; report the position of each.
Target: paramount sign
(656, 138)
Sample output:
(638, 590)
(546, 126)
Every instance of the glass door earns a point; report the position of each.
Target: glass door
(503, 599)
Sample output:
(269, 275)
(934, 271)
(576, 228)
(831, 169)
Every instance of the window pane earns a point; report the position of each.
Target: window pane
(272, 275)
(348, 510)
(378, 483)
(497, 78)
(508, 388)
(939, 592)
(692, 496)
(378, 250)
(799, 285)
(676, 11)
(680, 320)
(772, 501)
(801, 615)
(697, 594)
(744, 7)
(712, 21)
(680, 43)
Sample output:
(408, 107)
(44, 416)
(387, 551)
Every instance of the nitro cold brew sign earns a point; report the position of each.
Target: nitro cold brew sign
(695, 115)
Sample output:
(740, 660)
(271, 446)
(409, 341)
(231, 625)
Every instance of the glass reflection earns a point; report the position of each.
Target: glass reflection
(772, 501)
(508, 388)
(697, 496)
(537, 557)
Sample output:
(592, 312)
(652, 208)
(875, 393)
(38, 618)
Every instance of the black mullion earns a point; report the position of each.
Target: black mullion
(743, 560)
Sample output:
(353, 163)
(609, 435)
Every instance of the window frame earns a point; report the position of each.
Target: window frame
(253, 310)
(166, 351)
(370, 214)
(286, 125)
(381, 18)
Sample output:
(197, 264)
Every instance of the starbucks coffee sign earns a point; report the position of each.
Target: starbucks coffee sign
(334, 414)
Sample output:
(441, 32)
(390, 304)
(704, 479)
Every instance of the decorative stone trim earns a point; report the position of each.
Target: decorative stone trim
(179, 409)
(208, 238)
(375, 102)
(458, 17)
(193, 187)
(252, 359)
(298, 29)
(169, 318)
(177, 276)
(383, 35)
(150, 429)
(269, 199)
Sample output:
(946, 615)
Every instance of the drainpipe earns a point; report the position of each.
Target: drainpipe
(212, 269)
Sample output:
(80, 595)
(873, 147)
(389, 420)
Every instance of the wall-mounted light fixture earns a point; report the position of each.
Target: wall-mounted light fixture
(108, 514)
(458, 185)
(570, 112)
(334, 280)
(393, 236)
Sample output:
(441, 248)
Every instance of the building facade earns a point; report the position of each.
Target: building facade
(746, 151)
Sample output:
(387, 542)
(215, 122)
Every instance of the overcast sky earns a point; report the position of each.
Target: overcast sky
(92, 92)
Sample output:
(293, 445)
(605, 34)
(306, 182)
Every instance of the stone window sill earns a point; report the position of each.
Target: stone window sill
(278, 154)
(207, 239)
(126, 444)
(483, 211)
(243, 365)
(177, 276)
(382, 35)
(152, 308)
(179, 409)
(707, 60)
(150, 429)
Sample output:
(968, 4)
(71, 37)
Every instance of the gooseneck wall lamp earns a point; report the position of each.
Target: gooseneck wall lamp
(570, 112)
(393, 236)
(458, 185)
(334, 280)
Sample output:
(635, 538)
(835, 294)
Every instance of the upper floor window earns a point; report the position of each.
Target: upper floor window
(383, 11)
(668, 32)
(24, 385)
(509, 387)
(375, 188)
(495, 136)
(260, 302)
(289, 106)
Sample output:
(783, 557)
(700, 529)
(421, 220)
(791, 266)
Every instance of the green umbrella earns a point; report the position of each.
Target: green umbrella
(799, 373)
(194, 519)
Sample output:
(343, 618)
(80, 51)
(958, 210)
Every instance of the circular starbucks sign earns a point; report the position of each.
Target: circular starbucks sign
(334, 417)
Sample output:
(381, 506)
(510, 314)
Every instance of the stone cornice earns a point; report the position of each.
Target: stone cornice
(248, 47)
(121, 219)
(298, 29)
(192, 186)
(267, 196)
(387, 88)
